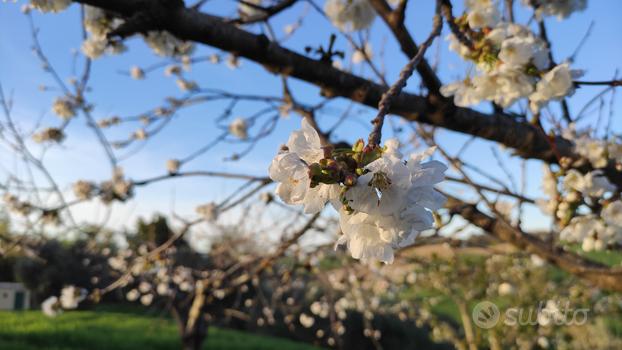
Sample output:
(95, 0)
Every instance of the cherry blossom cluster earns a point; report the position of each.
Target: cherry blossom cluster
(512, 63)
(50, 5)
(598, 152)
(69, 299)
(559, 8)
(570, 194)
(117, 188)
(166, 44)
(151, 279)
(383, 200)
(98, 23)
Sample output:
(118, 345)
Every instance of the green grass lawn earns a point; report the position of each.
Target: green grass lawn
(31, 330)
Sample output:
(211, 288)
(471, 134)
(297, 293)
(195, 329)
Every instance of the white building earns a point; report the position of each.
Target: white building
(14, 296)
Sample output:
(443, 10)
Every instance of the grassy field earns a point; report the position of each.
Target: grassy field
(95, 330)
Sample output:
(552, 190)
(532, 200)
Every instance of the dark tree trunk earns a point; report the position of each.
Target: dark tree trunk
(191, 339)
(194, 339)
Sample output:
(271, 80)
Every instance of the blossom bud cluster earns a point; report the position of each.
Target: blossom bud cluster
(152, 278)
(49, 135)
(117, 188)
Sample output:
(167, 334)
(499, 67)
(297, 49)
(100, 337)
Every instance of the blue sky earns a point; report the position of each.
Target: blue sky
(113, 93)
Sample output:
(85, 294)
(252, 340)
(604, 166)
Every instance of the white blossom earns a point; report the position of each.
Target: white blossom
(163, 289)
(96, 22)
(505, 289)
(381, 190)
(517, 51)
(559, 8)
(71, 296)
(239, 128)
(549, 314)
(116, 188)
(137, 73)
(172, 70)
(187, 85)
(50, 5)
(320, 309)
(144, 287)
(290, 170)
(549, 182)
(94, 47)
(592, 232)
(15, 205)
(165, 44)
(289, 29)
(51, 306)
(64, 108)
(214, 58)
(117, 263)
(554, 85)
(350, 15)
(306, 320)
(360, 55)
(463, 92)
(172, 165)
(140, 134)
(537, 261)
(233, 62)
(612, 213)
(392, 204)
(597, 152)
(49, 135)
(593, 184)
(208, 211)
(248, 11)
(146, 299)
(482, 13)
(83, 190)
(132, 295)
(456, 46)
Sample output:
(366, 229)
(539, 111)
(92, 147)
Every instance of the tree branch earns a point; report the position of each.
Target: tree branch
(526, 139)
(598, 274)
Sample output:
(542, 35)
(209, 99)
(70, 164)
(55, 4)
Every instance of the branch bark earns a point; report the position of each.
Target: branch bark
(189, 24)
(600, 275)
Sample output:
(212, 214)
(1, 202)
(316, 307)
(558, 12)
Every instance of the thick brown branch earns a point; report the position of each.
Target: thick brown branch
(526, 139)
(600, 275)
(395, 22)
